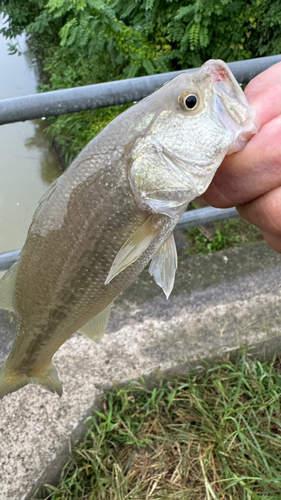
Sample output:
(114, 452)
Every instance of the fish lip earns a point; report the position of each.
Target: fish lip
(241, 132)
(223, 95)
(240, 118)
(226, 87)
(219, 71)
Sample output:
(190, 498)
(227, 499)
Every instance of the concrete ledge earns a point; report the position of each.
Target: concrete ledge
(221, 303)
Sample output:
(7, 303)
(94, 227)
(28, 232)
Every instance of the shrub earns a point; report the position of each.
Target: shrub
(79, 42)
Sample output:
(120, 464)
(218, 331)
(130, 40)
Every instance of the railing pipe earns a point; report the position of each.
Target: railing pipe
(100, 95)
(7, 259)
(204, 216)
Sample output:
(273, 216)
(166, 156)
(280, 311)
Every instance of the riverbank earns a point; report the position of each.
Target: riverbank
(28, 162)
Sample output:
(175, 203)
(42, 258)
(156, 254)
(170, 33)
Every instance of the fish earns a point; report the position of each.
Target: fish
(114, 210)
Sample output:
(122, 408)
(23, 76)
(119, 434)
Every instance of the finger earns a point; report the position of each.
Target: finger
(265, 213)
(264, 94)
(273, 241)
(250, 173)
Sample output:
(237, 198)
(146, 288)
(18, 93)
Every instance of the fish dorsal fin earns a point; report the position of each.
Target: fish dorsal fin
(46, 196)
(135, 245)
(7, 288)
(95, 328)
(164, 264)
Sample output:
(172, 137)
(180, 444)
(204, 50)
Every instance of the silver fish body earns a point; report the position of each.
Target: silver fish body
(114, 210)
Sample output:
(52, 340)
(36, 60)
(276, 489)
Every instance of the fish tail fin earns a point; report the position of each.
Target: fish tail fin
(11, 381)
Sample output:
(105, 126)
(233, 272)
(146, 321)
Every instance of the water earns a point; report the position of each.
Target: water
(28, 162)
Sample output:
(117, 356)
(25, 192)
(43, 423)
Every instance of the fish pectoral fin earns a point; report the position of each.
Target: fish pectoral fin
(12, 381)
(132, 249)
(164, 264)
(7, 288)
(95, 328)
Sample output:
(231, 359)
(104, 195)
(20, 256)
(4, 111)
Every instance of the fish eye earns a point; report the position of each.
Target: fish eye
(191, 101)
(188, 100)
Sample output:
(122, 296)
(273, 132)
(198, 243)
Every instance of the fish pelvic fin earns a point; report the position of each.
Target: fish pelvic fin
(164, 265)
(11, 381)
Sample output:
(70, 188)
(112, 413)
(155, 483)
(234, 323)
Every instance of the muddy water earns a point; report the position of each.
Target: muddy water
(27, 162)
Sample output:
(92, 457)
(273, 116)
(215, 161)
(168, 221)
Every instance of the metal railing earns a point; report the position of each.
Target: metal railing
(100, 95)
(109, 94)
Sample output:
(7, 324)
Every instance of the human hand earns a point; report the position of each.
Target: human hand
(251, 178)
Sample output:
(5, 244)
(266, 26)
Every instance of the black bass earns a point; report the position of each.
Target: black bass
(113, 210)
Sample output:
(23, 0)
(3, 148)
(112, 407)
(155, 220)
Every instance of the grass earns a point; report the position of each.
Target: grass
(228, 234)
(207, 436)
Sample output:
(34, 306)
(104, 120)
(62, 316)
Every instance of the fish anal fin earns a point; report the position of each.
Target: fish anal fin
(164, 264)
(95, 328)
(135, 245)
(7, 289)
(11, 381)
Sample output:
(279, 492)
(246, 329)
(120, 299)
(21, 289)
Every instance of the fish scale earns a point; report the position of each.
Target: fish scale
(68, 309)
(112, 211)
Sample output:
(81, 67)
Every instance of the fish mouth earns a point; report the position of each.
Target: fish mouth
(230, 104)
(226, 87)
